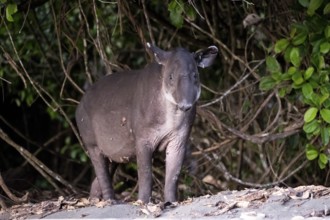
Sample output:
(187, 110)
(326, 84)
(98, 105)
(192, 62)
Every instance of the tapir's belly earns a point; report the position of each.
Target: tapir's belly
(114, 137)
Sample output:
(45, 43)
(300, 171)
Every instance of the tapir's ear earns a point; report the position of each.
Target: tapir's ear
(160, 55)
(206, 57)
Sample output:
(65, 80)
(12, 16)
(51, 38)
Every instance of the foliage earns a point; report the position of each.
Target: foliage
(11, 9)
(177, 10)
(306, 52)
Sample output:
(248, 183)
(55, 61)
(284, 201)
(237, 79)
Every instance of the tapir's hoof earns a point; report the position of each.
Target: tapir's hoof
(170, 204)
(113, 201)
(101, 203)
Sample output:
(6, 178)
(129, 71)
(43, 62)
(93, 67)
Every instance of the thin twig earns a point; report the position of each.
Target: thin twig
(10, 194)
(257, 138)
(3, 204)
(222, 168)
(148, 22)
(223, 46)
(14, 66)
(232, 88)
(259, 109)
(59, 45)
(278, 113)
(7, 81)
(47, 173)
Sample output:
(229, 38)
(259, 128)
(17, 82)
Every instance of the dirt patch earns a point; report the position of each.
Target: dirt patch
(302, 202)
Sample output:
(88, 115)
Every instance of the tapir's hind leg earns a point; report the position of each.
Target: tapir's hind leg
(101, 166)
(95, 191)
(100, 162)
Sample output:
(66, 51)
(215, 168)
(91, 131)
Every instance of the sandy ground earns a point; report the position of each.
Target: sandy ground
(304, 202)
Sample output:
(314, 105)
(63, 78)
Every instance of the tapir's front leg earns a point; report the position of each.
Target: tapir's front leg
(144, 163)
(175, 152)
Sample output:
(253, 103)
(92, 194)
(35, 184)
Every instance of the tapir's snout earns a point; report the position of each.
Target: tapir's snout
(184, 106)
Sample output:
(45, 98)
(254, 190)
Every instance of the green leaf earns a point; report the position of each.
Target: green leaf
(325, 114)
(326, 9)
(325, 47)
(10, 10)
(327, 31)
(176, 9)
(176, 19)
(326, 103)
(310, 114)
(292, 70)
(299, 38)
(307, 90)
(267, 83)
(295, 57)
(313, 6)
(315, 98)
(175, 6)
(321, 165)
(191, 13)
(285, 76)
(272, 64)
(318, 61)
(308, 73)
(324, 98)
(282, 92)
(73, 154)
(281, 45)
(304, 3)
(323, 158)
(277, 76)
(83, 158)
(311, 152)
(325, 135)
(287, 53)
(172, 5)
(297, 78)
(321, 62)
(3, 1)
(324, 77)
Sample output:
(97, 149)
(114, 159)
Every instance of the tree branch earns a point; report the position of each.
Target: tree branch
(38, 165)
(257, 138)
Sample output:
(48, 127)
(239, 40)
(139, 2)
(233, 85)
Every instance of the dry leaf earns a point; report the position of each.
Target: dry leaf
(101, 204)
(83, 202)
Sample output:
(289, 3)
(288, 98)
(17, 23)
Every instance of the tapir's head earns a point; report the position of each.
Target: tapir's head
(180, 78)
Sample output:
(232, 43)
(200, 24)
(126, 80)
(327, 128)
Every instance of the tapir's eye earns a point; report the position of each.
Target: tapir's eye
(171, 76)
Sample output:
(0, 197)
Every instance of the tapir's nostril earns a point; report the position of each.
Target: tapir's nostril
(184, 106)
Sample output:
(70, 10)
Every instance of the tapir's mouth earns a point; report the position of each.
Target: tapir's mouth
(184, 106)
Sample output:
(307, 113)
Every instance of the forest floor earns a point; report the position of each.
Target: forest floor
(304, 202)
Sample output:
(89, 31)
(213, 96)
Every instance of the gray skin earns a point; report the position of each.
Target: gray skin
(132, 114)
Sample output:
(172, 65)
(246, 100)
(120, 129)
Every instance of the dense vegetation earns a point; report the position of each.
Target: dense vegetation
(263, 117)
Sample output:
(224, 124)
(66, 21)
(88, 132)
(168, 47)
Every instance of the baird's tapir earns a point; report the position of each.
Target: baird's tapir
(131, 114)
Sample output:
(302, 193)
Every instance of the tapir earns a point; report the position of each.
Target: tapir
(132, 114)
